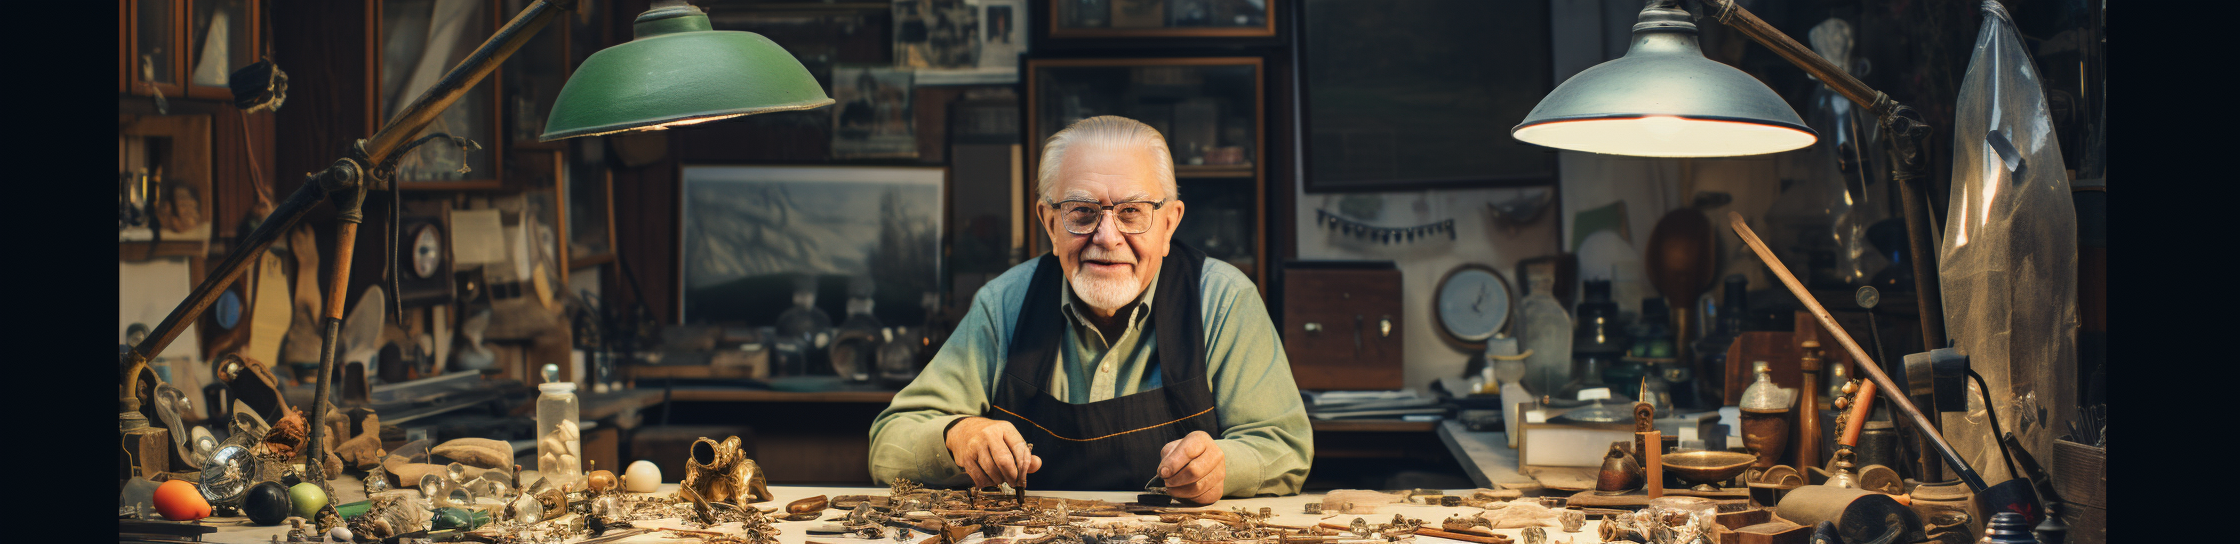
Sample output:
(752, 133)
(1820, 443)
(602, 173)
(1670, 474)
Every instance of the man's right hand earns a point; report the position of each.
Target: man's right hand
(990, 451)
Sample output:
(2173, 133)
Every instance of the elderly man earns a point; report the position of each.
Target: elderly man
(1123, 356)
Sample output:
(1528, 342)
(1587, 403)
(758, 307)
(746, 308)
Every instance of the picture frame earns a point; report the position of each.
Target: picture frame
(997, 39)
(1212, 112)
(1375, 122)
(1163, 18)
(222, 36)
(414, 46)
(154, 64)
(872, 113)
(749, 231)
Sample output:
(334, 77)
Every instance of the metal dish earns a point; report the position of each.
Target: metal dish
(1706, 469)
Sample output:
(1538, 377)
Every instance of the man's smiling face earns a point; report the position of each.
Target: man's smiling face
(1108, 269)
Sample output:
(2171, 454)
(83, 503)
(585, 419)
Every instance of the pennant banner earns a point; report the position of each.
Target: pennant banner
(1382, 235)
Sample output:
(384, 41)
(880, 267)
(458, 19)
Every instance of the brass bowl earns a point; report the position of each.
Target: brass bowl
(1707, 468)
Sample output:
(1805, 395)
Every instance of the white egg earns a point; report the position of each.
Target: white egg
(642, 477)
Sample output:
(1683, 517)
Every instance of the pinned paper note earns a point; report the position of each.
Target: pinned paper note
(477, 237)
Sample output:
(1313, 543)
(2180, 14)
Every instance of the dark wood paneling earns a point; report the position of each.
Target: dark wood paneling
(1349, 352)
(325, 111)
(645, 227)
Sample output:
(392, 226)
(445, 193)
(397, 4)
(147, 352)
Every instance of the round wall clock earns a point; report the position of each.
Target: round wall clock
(1472, 304)
(427, 251)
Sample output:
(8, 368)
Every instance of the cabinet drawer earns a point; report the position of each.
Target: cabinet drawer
(1341, 327)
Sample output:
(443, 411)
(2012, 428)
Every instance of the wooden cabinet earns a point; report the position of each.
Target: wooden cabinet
(1342, 323)
(186, 48)
(1211, 112)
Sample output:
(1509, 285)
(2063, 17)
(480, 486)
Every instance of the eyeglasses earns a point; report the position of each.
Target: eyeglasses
(1082, 216)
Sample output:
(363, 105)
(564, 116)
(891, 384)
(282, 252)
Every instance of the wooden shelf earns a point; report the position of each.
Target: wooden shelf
(1374, 426)
(141, 251)
(1221, 171)
(723, 394)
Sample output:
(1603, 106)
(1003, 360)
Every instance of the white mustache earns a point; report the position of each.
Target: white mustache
(1103, 256)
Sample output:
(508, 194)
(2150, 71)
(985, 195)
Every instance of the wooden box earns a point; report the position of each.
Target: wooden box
(1341, 325)
(2080, 475)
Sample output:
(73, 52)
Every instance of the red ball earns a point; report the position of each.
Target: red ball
(178, 500)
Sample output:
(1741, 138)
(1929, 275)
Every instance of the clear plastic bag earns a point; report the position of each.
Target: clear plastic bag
(2008, 260)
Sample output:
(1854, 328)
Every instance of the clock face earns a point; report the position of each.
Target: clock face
(1473, 303)
(427, 252)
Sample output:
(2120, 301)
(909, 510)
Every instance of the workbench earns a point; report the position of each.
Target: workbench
(1288, 510)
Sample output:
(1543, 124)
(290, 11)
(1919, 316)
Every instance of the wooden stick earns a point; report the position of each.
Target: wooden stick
(1861, 403)
(1874, 371)
(1427, 531)
(1652, 461)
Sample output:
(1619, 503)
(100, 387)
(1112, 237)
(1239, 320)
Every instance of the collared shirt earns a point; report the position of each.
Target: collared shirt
(1266, 440)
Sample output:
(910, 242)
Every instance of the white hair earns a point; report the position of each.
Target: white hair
(1111, 132)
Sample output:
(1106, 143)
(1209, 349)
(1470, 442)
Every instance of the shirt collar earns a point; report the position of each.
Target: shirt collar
(1077, 310)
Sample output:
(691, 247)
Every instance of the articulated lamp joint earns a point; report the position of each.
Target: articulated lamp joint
(345, 181)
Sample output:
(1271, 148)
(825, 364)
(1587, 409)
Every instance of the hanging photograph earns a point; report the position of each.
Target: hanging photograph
(871, 115)
(749, 231)
(999, 41)
(936, 34)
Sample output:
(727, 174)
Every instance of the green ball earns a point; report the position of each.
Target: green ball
(308, 499)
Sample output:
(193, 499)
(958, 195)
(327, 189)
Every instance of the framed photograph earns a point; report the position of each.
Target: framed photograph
(1379, 122)
(994, 46)
(750, 231)
(936, 34)
(872, 117)
(420, 40)
(222, 37)
(1162, 18)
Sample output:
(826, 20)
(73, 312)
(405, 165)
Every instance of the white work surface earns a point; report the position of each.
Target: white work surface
(1288, 512)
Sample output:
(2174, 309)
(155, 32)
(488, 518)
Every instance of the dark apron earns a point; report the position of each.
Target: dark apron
(1110, 445)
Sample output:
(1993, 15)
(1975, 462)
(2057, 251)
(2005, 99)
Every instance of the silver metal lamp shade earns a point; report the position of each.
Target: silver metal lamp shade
(1664, 99)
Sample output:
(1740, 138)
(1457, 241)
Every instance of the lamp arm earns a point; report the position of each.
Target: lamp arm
(1909, 139)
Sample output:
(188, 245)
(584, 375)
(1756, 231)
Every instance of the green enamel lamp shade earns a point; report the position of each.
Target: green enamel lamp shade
(677, 71)
(1664, 99)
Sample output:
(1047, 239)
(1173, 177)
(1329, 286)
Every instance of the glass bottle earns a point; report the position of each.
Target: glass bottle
(1651, 343)
(1546, 338)
(808, 326)
(1712, 349)
(1596, 343)
(855, 343)
(559, 434)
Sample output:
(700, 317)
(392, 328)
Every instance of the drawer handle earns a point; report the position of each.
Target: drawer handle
(1384, 326)
(1313, 327)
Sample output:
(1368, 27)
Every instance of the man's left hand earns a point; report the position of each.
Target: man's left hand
(1193, 468)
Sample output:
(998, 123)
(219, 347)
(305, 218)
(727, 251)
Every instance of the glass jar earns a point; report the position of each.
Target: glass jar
(559, 435)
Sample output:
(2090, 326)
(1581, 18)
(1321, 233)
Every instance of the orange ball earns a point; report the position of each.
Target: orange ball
(178, 500)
